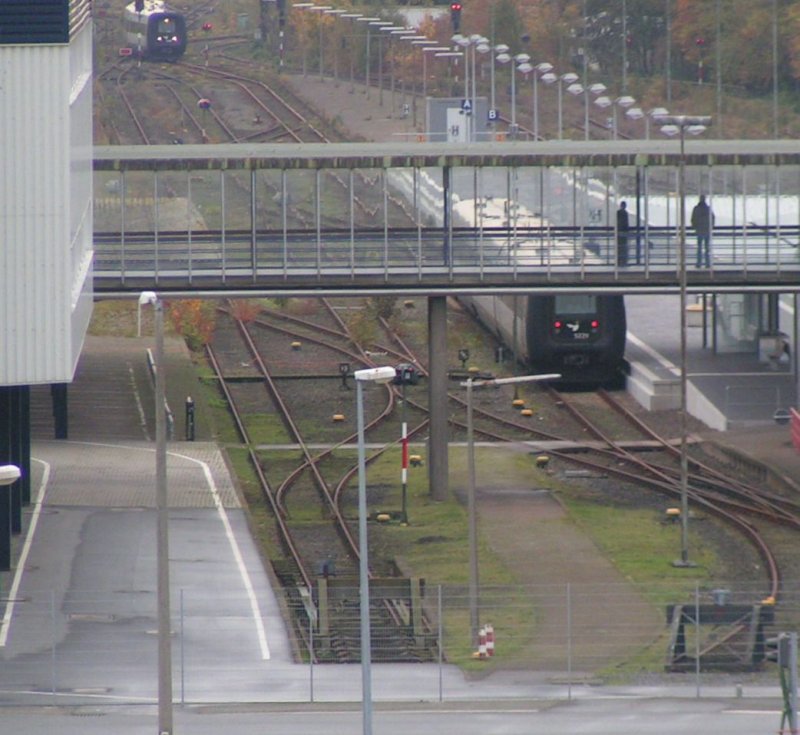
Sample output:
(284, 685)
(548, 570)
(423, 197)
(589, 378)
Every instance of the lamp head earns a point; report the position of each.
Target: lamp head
(375, 375)
(9, 474)
(147, 297)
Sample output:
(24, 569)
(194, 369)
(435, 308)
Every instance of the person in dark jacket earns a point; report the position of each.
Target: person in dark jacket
(623, 225)
(702, 222)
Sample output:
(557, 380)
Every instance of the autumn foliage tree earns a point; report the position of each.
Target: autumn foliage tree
(194, 320)
(737, 35)
(245, 310)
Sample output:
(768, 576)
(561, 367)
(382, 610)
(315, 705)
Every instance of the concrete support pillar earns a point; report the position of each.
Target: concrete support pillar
(5, 528)
(58, 394)
(6, 491)
(25, 446)
(437, 398)
(19, 449)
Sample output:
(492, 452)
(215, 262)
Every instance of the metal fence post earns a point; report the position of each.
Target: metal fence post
(441, 642)
(569, 642)
(53, 640)
(310, 658)
(183, 652)
(697, 636)
(793, 682)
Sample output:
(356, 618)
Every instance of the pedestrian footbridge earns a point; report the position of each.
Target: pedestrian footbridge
(439, 218)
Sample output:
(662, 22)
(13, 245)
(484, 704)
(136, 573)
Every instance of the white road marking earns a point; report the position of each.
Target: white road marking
(223, 515)
(138, 399)
(237, 554)
(5, 624)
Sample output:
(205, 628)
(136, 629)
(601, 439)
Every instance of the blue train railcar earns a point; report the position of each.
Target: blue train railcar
(154, 31)
(581, 336)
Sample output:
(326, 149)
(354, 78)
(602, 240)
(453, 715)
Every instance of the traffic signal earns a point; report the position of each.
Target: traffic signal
(405, 374)
(455, 16)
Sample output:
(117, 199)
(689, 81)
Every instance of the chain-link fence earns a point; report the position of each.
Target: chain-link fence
(423, 638)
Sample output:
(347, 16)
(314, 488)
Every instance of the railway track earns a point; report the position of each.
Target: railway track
(320, 570)
(642, 458)
(309, 545)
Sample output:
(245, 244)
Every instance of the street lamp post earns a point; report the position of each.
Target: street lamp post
(413, 38)
(512, 61)
(596, 89)
(655, 113)
(352, 17)
(303, 6)
(373, 375)
(464, 42)
(469, 384)
(543, 67)
(474, 43)
(369, 22)
(500, 48)
(336, 13)
(393, 31)
(320, 9)
(569, 78)
(480, 45)
(380, 25)
(450, 55)
(625, 101)
(682, 122)
(635, 113)
(426, 47)
(162, 530)
(604, 102)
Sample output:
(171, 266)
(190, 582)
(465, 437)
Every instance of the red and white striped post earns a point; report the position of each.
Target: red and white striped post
(406, 374)
(489, 628)
(482, 650)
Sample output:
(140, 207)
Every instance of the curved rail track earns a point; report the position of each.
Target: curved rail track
(648, 461)
(312, 547)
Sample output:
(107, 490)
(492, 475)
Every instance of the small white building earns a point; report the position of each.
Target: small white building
(45, 188)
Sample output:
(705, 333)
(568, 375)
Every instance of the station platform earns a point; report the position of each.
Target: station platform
(726, 390)
(734, 395)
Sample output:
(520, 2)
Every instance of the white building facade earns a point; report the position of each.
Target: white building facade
(45, 188)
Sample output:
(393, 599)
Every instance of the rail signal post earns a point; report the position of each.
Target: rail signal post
(455, 16)
(405, 374)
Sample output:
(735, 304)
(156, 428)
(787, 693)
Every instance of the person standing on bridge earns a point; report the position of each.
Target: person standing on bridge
(702, 222)
(623, 225)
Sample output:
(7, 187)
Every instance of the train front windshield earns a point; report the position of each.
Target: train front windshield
(576, 304)
(166, 30)
(575, 318)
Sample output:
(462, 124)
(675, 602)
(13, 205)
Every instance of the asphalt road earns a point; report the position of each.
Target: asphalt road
(597, 715)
